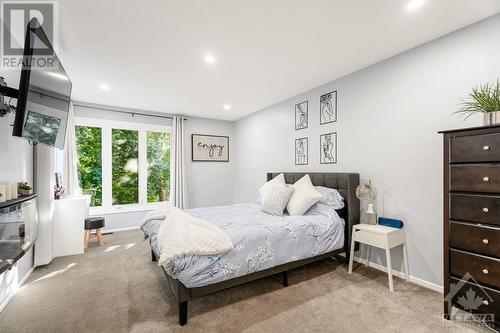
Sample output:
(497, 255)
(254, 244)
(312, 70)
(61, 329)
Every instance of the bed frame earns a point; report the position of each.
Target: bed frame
(345, 183)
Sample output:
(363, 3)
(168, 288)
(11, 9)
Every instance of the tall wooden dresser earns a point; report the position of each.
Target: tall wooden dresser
(472, 221)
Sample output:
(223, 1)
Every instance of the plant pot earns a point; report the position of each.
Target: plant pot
(23, 192)
(491, 118)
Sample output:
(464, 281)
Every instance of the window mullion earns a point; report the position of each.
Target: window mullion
(107, 199)
(143, 168)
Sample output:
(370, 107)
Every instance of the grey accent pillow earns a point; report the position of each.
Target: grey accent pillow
(331, 197)
(276, 198)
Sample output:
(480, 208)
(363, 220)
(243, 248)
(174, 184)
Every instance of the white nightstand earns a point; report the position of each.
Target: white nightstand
(382, 237)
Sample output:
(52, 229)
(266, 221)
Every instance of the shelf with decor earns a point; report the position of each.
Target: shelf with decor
(18, 229)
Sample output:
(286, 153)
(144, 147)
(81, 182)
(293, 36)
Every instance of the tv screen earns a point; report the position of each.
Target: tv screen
(44, 91)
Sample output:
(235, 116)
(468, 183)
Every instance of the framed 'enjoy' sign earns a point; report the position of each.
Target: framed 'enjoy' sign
(209, 148)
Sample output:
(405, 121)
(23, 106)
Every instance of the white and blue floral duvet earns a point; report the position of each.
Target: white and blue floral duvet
(260, 241)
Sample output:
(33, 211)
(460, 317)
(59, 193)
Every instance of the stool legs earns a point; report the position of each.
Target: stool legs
(99, 237)
(98, 234)
(86, 238)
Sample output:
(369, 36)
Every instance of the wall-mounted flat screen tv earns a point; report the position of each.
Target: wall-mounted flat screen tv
(44, 91)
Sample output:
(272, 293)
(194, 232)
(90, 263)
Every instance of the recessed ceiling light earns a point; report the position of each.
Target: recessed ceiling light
(209, 59)
(227, 107)
(414, 4)
(104, 87)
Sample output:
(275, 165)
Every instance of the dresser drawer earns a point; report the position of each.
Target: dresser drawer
(484, 269)
(475, 178)
(475, 148)
(482, 240)
(475, 208)
(489, 298)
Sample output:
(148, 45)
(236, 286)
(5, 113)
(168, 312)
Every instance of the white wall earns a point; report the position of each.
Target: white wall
(388, 118)
(15, 154)
(209, 183)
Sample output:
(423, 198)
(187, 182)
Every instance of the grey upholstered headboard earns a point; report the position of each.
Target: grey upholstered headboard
(345, 183)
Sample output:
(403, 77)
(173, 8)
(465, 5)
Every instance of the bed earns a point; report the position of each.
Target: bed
(264, 245)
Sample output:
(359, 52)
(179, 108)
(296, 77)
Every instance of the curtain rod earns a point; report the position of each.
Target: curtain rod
(133, 113)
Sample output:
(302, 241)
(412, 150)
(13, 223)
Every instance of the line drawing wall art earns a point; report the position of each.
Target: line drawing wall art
(301, 115)
(328, 108)
(328, 148)
(301, 151)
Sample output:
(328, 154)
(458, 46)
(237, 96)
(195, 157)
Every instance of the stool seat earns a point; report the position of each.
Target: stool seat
(92, 223)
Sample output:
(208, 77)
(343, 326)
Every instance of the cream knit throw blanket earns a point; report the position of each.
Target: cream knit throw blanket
(182, 235)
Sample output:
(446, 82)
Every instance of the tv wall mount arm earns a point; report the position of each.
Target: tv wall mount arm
(5, 91)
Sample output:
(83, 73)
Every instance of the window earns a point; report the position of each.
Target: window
(123, 165)
(125, 161)
(89, 149)
(158, 166)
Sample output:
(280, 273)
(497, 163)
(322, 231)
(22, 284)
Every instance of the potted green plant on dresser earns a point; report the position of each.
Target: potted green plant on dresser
(483, 99)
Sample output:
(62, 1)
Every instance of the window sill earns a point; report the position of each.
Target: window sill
(127, 208)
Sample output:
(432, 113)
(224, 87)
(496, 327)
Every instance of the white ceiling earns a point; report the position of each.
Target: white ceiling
(150, 53)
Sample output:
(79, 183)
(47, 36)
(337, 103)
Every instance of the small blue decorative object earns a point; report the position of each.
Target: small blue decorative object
(390, 222)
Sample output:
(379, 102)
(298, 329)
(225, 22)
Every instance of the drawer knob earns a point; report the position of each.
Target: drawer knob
(485, 271)
(485, 241)
(486, 209)
(485, 302)
(486, 147)
(486, 179)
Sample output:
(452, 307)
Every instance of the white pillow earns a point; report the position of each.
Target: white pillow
(276, 199)
(331, 197)
(303, 197)
(278, 180)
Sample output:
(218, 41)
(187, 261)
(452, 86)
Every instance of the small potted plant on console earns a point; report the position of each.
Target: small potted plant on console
(23, 188)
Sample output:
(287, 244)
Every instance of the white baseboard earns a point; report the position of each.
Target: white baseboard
(26, 276)
(9, 296)
(119, 229)
(416, 280)
(43, 261)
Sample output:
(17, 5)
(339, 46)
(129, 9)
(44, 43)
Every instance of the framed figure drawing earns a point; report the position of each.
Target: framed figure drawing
(328, 108)
(328, 148)
(209, 148)
(301, 115)
(301, 151)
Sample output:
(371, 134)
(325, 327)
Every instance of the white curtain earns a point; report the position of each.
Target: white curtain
(70, 176)
(178, 194)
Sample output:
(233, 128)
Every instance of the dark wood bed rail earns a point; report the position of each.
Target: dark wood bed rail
(345, 183)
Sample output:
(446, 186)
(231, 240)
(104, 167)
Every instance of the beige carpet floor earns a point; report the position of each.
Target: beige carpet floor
(116, 288)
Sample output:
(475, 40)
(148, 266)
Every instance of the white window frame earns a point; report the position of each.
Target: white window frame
(106, 127)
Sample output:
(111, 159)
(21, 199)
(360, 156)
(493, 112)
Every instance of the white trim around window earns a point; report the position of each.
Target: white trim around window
(106, 126)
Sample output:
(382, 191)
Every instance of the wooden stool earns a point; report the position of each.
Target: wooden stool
(382, 237)
(94, 223)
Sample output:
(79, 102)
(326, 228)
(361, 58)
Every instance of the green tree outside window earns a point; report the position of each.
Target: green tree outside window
(158, 146)
(89, 150)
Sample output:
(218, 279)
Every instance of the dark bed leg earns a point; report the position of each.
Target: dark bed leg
(183, 313)
(153, 256)
(285, 279)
